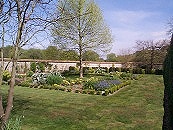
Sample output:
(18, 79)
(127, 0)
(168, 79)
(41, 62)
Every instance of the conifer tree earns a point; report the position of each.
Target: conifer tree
(168, 91)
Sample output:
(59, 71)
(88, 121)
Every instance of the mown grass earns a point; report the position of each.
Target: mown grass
(135, 107)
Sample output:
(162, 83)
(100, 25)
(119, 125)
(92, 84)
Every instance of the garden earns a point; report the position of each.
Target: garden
(96, 81)
(138, 106)
(54, 100)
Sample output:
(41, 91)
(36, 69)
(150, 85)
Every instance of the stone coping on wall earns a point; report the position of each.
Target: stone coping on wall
(68, 61)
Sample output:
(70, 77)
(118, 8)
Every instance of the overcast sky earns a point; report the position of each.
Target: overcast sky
(131, 20)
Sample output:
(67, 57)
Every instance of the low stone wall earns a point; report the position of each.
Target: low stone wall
(24, 64)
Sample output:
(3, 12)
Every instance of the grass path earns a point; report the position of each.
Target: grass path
(136, 107)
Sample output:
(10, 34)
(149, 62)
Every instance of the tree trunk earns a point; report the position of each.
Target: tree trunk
(80, 62)
(81, 68)
(168, 91)
(1, 78)
(2, 55)
(13, 74)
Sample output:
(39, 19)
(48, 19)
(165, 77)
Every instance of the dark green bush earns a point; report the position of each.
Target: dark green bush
(159, 72)
(124, 69)
(33, 66)
(54, 79)
(41, 66)
(111, 90)
(77, 91)
(84, 92)
(46, 87)
(65, 73)
(69, 89)
(92, 92)
(73, 70)
(112, 69)
(85, 70)
(118, 69)
(98, 92)
(25, 84)
(29, 73)
(62, 88)
(90, 83)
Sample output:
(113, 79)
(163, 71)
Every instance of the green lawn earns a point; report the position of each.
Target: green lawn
(137, 107)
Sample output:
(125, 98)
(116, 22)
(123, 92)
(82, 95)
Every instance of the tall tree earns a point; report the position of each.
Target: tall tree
(168, 91)
(69, 55)
(150, 52)
(51, 53)
(27, 19)
(32, 54)
(85, 31)
(91, 56)
(111, 57)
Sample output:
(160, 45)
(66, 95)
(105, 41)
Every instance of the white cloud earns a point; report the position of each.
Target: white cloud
(129, 26)
(128, 17)
(126, 38)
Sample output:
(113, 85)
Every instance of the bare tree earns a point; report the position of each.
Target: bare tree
(27, 19)
(126, 55)
(85, 31)
(150, 52)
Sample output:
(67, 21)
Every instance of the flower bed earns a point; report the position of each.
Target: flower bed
(98, 85)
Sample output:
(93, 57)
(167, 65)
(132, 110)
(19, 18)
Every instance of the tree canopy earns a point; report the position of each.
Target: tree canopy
(91, 56)
(86, 29)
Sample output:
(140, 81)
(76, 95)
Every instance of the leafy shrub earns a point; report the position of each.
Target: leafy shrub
(100, 70)
(98, 93)
(86, 70)
(29, 73)
(78, 81)
(65, 83)
(138, 71)
(77, 91)
(25, 84)
(56, 86)
(69, 89)
(143, 71)
(72, 82)
(73, 70)
(124, 69)
(118, 69)
(62, 88)
(54, 79)
(92, 92)
(159, 72)
(6, 75)
(65, 73)
(91, 71)
(46, 87)
(112, 69)
(126, 76)
(89, 84)
(33, 66)
(84, 92)
(111, 90)
(41, 66)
